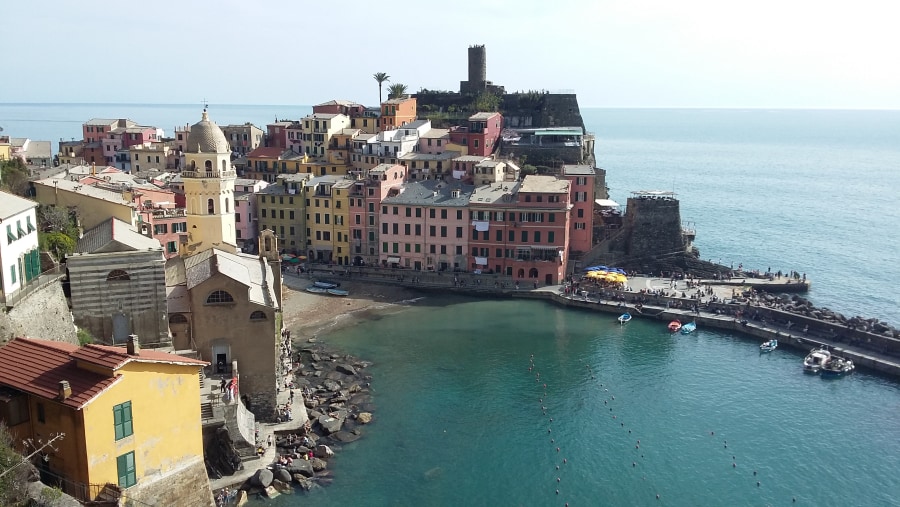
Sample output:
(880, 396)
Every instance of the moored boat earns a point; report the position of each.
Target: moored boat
(316, 290)
(836, 366)
(674, 326)
(322, 284)
(815, 360)
(768, 346)
(338, 292)
(689, 328)
(625, 317)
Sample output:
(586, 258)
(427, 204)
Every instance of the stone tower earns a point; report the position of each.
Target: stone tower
(209, 190)
(477, 65)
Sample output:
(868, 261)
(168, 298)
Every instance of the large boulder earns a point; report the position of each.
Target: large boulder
(262, 478)
(304, 482)
(364, 418)
(282, 475)
(330, 424)
(319, 464)
(345, 368)
(302, 467)
(332, 385)
(323, 451)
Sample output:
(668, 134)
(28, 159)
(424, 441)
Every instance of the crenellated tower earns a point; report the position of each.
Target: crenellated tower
(209, 190)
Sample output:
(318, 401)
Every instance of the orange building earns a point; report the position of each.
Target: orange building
(397, 112)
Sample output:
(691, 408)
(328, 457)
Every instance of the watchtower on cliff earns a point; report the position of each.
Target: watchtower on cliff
(478, 73)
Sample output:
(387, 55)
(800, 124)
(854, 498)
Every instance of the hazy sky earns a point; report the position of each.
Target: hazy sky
(656, 53)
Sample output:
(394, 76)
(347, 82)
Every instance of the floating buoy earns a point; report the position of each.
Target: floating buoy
(551, 419)
(557, 491)
(564, 460)
(557, 479)
(757, 484)
(548, 430)
(734, 465)
(557, 467)
(557, 449)
(633, 464)
(637, 447)
(657, 496)
(552, 441)
(639, 441)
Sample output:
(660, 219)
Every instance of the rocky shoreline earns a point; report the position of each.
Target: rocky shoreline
(336, 394)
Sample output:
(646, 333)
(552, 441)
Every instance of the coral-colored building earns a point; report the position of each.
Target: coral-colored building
(397, 112)
(365, 197)
(481, 136)
(582, 178)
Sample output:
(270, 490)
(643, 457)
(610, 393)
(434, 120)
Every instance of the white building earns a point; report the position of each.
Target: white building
(20, 257)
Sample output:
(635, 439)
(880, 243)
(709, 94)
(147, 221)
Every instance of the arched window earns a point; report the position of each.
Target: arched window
(193, 205)
(193, 165)
(219, 296)
(227, 206)
(208, 165)
(210, 207)
(117, 275)
(258, 315)
(533, 273)
(224, 166)
(177, 318)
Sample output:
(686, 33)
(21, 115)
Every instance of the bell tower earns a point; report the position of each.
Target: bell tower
(209, 190)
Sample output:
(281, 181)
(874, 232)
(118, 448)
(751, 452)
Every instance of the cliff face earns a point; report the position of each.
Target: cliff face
(520, 110)
(42, 314)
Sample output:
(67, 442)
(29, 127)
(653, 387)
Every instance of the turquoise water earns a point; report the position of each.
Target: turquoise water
(459, 419)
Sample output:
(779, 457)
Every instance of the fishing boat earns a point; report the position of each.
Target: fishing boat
(625, 317)
(674, 326)
(316, 290)
(768, 346)
(322, 284)
(689, 328)
(815, 360)
(837, 366)
(338, 292)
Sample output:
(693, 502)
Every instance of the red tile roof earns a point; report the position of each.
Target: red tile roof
(116, 357)
(37, 366)
(266, 152)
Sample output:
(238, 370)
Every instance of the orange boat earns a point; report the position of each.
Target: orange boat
(674, 326)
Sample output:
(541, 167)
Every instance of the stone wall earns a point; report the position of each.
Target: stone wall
(42, 314)
(654, 227)
(186, 485)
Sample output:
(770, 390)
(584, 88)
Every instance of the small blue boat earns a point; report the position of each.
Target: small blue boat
(322, 284)
(625, 317)
(768, 346)
(689, 328)
(338, 292)
(316, 290)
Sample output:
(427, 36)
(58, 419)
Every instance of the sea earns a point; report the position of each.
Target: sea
(522, 403)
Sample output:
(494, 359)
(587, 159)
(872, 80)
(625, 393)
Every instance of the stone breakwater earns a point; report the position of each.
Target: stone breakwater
(337, 399)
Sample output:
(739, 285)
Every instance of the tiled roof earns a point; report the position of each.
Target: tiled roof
(37, 366)
(266, 152)
(115, 230)
(117, 357)
(482, 116)
(431, 193)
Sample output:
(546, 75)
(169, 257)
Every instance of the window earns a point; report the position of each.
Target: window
(182, 226)
(384, 227)
(431, 213)
(418, 229)
(395, 247)
(459, 232)
(579, 226)
(418, 212)
(10, 237)
(177, 318)
(264, 213)
(459, 250)
(406, 247)
(443, 231)
(407, 229)
(210, 207)
(219, 296)
(551, 217)
(537, 236)
(396, 228)
(126, 471)
(580, 212)
(117, 275)
(122, 420)
(160, 229)
(258, 315)
(459, 214)
(550, 237)
(524, 236)
(171, 247)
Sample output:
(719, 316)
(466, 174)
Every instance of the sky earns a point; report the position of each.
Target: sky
(636, 53)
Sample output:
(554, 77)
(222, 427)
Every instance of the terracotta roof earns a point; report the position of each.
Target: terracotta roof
(37, 366)
(116, 357)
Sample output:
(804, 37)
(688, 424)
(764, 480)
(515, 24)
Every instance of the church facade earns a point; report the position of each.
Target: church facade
(224, 304)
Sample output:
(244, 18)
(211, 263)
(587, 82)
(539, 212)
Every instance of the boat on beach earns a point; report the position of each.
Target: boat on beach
(837, 366)
(322, 284)
(316, 290)
(625, 317)
(674, 326)
(338, 292)
(768, 346)
(689, 328)
(815, 360)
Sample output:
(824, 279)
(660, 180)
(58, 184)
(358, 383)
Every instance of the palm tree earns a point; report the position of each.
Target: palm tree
(381, 77)
(396, 90)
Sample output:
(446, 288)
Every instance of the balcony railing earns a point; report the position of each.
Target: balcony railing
(209, 174)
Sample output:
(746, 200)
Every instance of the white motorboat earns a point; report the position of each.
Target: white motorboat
(815, 360)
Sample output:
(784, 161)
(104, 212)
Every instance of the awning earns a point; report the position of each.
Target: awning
(393, 260)
(481, 225)
(481, 261)
(606, 203)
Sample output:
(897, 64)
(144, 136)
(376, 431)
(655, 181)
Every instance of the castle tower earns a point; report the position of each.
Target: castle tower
(477, 65)
(209, 190)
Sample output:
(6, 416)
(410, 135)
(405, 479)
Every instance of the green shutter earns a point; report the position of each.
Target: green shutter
(126, 470)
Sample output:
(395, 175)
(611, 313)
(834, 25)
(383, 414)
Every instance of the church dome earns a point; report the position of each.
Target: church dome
(206, 137)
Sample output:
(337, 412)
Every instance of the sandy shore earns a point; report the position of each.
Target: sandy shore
(306, 314)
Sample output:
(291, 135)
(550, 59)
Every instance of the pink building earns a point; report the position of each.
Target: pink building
(463, 168)
(276, 134)
(482, 134)
(246, 218)
(168, 226)
(434, 141)
(424, 225)
(366, 195)
(344, 107)
(521, 229)
(583, 179)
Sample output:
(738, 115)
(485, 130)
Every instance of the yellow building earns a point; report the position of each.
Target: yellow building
(4, 148)
(281, 208)
(94, 205)
(326, 216)
(317, 131)
(341, 217)
(128, 419)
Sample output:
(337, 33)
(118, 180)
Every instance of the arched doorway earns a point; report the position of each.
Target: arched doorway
(521, 273)
(533, 273)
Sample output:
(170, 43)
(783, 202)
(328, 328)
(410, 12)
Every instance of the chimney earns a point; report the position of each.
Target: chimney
(65, 390)
(133, 346)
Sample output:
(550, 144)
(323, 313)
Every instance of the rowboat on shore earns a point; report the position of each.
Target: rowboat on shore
(322, 284)
(316, 290)
(625, 317)
(674, 326)
(338, 292)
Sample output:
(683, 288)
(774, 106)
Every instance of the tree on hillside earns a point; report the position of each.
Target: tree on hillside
(52, 218)
(14, 176)
(485, 102)
(14, 481)
(380, 77)
(396, 91)
(58, 243)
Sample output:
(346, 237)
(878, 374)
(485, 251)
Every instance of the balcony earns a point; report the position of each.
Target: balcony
(209, 174)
